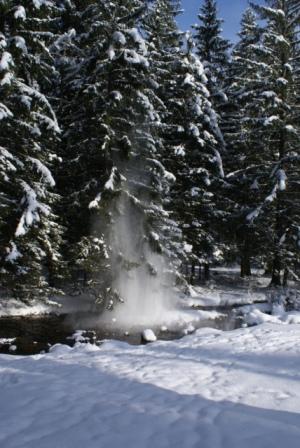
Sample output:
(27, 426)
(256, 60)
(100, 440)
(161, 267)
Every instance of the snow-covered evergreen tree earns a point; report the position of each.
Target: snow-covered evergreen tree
(29, 231)
(164, 54)
(213, 51)
(245, 145)
(196, 161)
(190, 134)
(85, 167)
(281, 133)
(269, 155)
(112, 146)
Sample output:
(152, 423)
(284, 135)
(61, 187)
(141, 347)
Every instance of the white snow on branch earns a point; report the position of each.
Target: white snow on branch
(148, 106)
(6, 61)
(189, 80)
(273, 194)
(110, 184)
(33, 209)
(111, 53)
(8, 160)
(154, 236)
(4, 112)
(64, 38)
(288, 67)
(254, 185)
(115, 177)
(282, 81)
(95, 203)
(166, 174)
(7, 79)
(119, 38)
(188, 248)
(3, 42)
(270, 198)
(195, 192)
(53, 124)
(117, 96)
(254, 214)
(132, 57)
(291, 130)
(13, 253)
(276, 12)
(137, 38)
(219, 162)
(39, 3)
(194, 131)
(281, 177)
(21, 44)
(169, 176)
(45, 172)
(179, 150)
(269, 94)
(20, 13)
(282, 240)
(270, 120)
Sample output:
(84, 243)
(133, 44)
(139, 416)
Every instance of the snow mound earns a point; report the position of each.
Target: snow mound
(266, 313)
(149, 336)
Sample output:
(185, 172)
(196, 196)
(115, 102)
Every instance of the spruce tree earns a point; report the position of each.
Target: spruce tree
(245, 145)
(213, 51)
(165, 55)
(190, 132)
(196, 195)
(112, 148)
(30, 234)
(280, 119)
(267, 91)
(85, 167)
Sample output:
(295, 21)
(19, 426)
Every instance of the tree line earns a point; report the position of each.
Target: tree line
(107, 110)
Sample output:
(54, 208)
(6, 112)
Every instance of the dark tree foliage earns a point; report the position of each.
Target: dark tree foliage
(30, 234)
(213, 51)
(129, 149)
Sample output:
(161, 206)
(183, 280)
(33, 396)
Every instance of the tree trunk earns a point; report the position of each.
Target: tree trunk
(193, 270)
(245, 259)
(280, 222)
(85, 278)
(200, 273)
(243, 272)
(285, 277)
(206, 272)
(245, 267)
(268, 268)
(276, 271)
(187, 270)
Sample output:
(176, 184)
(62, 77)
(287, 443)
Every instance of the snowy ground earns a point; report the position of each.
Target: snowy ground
(219, 296)
(227, 288)
(238, 389)
(59, 305)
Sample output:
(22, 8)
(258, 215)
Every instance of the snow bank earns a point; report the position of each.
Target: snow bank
(12, 307)
(221, 297)
(58, 305)
(209, 390)
(276, 314)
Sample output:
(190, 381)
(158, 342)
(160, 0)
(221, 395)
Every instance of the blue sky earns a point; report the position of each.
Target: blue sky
(230, 10)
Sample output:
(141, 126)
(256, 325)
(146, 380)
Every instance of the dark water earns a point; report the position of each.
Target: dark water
(35, 334)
